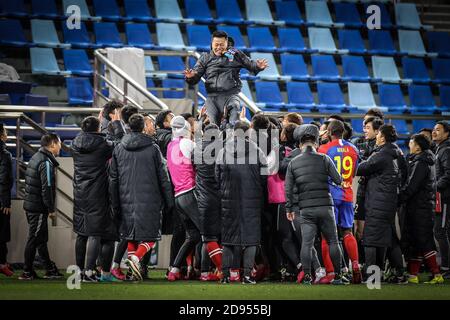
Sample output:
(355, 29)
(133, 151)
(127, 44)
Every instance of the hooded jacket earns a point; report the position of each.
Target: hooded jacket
(443, 170)
(139, 187)
(163, 138)
(91, 211)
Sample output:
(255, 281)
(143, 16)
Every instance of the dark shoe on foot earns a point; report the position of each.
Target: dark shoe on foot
(248, 280)
(307, 279)
(225, 280)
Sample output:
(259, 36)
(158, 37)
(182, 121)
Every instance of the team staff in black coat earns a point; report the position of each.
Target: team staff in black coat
(39, 204)
(163, 130)
(242, 187)
(418, 197)
(91, 212)
(442, 222)
(384, 171)
(6, 183)
(139, 188)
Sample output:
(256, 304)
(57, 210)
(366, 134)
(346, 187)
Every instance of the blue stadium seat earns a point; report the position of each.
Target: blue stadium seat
(171, 63)
(401, 126)
(43, 61)
(441, 70)
(355, 69)
(415, 69)
(348, 14)
(357, 125)
(330, 97)
(139, 36)
(107, 10)
(13, 9)
(361, 96)
(351, 40)
(246, 90)
(289, 13)
(43, 33)
(268, 94)
(228, 12)
(168, 10)
(439, 42)
(261, 39)
(259, 12)
(321, 39)
(12, 34)
(76, 61)
(150, 84)
(169, 36)
(51, 118)
(270, 73)
(421, 98)
(84, 10)
(66, 135)
(380, 42)
(291, 40)
(79, 91)
(202, 90)
(173, 84)
(138, 10)
(317, 13)
(411, 43)
(300, 95)
(294, 66)
(235, 33)
(444, 95)
(199, 37)
(406, 16)
(324, 68)
(150, 69)
(198, 10)
(391, 97)
(384, 68)
(78, 38)
(421, 124)
(385, 16)
(44, 9)
(107, 35)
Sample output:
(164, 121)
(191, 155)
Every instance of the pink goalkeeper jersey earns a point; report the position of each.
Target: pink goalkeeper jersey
(180, 165)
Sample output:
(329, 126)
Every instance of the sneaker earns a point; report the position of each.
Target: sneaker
(53, 274)
(445, 274)
(307, 279)
(319, 274)
(135, 267)
(235, 276)
(144, 272)
(339, 280)
(413, 279)
(28, 276)
(129, 276)
(225, 280)
(210, 276)
(327, 279)
(108, 278)
(356, 276)
(300, 276)
(248, 280)
(173, 276)
(399, 280)
(90, 278)
(6, 271)
(118, 274)
(437, 279)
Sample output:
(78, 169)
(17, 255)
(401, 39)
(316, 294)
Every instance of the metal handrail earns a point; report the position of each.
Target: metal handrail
(99, 56)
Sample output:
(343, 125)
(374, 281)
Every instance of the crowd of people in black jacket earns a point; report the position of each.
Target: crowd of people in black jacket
(136, 177)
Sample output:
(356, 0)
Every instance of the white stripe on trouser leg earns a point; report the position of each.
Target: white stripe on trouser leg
(444, 215)
(214, 251)
(39, 225)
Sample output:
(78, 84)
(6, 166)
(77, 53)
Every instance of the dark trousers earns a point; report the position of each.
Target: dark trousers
(3, 252)
(232, 254)
(442, 235)
(37, 240)
(80, 251)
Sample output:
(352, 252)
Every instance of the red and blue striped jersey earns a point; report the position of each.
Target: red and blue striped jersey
(345, 156)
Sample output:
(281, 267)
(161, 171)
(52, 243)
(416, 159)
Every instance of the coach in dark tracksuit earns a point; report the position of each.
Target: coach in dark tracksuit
(221, 68)
(308, 196)
(91, 212)
(242, 188)
(6, 183)
(39, 204)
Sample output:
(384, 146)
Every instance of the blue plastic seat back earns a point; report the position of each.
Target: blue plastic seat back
(199, 36)
(357, 125)
(79, 91)
(300, 93)
(384, 68)
(439, 41)
(150, 84)
(321, 39)
(13, 8)
(43, 32)
(330, 94)
(441, 69)
(198, 10)
(400, 125)
(351, 40)
(246, 90)
(81, 4)
(348, 14)
(138, 35)
(391, 96)
(291, 39)
(168, 9)
(324, 66)
(268, 92)
(444, 95)
(406, 15)
(293, 65)
(76, 61)
(415, 69)
(12, 32)
(421, 124)
(258, 11)
(137, 10)
(169, 35)
(421, 97)
(360, 95)
(289, 12)
(381, 41)
(106, 34)
(272, 70)
(228, 11)
(171, 63)
(260, 39)
(44, 9)
(355, 66)
(236, 34)
(317, 13)
(107, 9)
(43, 61)
(77, 37)
(173, 83)
(411, 42)
(385, 16)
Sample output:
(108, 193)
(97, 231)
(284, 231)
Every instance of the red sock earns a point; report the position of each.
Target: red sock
(430, 260)
(414, 266)
(143, 248)
(326, 257)
(132, 247)
(215, 253)
(351, 246)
